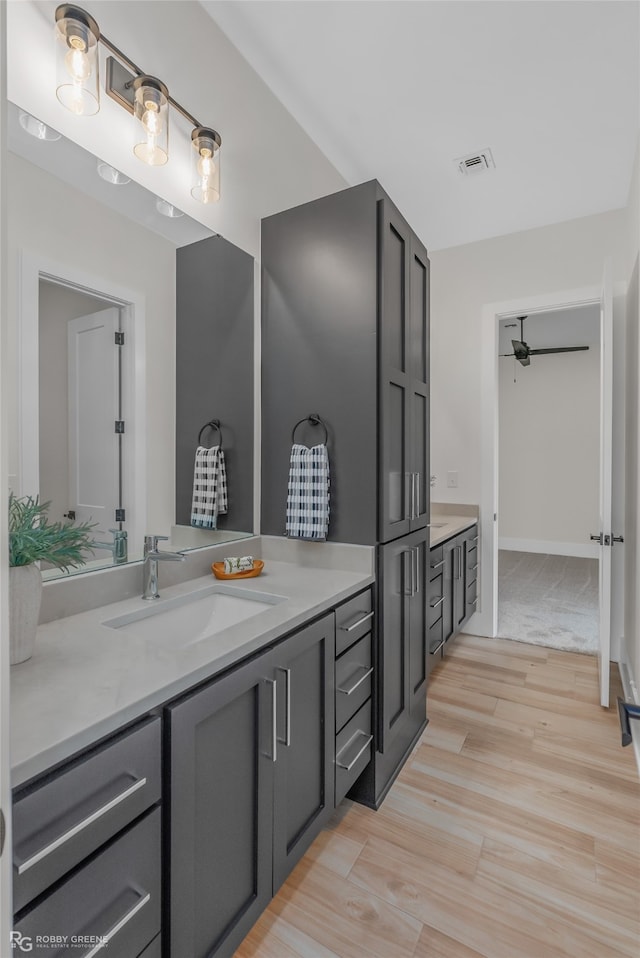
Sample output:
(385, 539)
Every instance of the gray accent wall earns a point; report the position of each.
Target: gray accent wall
(215, 370)
(319, 353)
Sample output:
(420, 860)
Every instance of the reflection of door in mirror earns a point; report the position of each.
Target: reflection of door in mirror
(80, 403)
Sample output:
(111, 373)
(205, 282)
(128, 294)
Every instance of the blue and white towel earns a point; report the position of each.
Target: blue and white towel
(209, 498)
(308, 493)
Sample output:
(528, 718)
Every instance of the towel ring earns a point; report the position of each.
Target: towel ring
(212, 424)
(315, 420)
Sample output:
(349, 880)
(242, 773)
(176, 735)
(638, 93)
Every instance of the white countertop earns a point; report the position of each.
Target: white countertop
(443, 527)
(86, 680)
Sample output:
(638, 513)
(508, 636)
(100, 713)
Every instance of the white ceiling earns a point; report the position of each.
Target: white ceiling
(395, 90)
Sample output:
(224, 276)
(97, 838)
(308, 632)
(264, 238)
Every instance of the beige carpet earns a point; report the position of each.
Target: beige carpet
(548, 600)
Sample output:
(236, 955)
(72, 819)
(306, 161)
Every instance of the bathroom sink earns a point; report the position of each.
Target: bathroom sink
(187, 619)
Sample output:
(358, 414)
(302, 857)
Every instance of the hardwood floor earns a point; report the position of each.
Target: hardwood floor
(512, 832)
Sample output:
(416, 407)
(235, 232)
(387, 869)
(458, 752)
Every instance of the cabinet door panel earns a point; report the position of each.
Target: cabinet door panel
(419, 310)
(419, 457)
(393, 672)
(304, 770)
(419, 627)
(221, 771)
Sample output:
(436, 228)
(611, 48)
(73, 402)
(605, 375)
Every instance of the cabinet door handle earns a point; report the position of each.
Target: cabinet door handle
(438, 565)
(358, 683)
(459, 554)
(287, 706)
(119, 925)
(408, 492)
(360, 621)
(435, 605)
(417, 571)
(408, 576)
(72, 832)
(368, 741)
(417, 503)
(274, 719)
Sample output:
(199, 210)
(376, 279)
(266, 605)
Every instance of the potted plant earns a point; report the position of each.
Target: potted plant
(32, 539)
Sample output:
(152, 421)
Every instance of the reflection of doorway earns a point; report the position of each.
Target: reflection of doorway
(80, 453)
(95, 294)
(549, 427)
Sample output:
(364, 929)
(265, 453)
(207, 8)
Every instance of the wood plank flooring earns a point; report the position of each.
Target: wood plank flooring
(512, 832)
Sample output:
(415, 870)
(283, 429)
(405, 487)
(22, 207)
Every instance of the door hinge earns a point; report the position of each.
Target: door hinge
(120, 515)
(119, 339)
(119, 425)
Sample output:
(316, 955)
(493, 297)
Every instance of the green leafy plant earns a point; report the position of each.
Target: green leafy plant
(32, 538)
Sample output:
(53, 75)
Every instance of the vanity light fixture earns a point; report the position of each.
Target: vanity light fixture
(77, 36)
(37, 128)
(111, 175)
(145, 97)
(205, 163)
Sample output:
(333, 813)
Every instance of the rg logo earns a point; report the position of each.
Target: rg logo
(23, 942)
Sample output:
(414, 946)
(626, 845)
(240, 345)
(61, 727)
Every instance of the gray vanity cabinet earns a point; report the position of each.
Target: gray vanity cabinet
(453, 587)
(252, 781)
(221, 766)
(304, 768)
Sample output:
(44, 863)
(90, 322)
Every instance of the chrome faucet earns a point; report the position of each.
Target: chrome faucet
(118, 547)
(152, 555)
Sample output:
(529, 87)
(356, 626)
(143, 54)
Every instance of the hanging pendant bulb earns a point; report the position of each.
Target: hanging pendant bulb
(206, 145)
(151, 113)
(77, 35)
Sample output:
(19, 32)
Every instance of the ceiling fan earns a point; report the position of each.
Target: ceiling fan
(523, 353)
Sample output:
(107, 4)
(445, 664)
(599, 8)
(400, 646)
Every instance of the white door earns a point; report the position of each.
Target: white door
(94, 407)
(606, 430)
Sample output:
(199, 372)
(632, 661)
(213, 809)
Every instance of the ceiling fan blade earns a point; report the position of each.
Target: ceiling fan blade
(557, 349)
(520, 350)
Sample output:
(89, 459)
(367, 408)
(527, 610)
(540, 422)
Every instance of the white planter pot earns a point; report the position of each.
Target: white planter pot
(25, 594)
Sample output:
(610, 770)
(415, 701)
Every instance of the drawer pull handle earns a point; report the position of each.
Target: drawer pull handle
(105, 940)
(434, 605)
(67, 836)
(368, 741)
(438, 565)
(475, 538)
(474, 602)
(358, 682)
(473, 567)
(437, 648)
(354, 625)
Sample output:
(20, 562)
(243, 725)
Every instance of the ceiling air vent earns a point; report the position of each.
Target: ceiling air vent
(475, 163)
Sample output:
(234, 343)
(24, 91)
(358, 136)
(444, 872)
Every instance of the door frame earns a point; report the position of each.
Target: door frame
(485, 620)
(32, 269)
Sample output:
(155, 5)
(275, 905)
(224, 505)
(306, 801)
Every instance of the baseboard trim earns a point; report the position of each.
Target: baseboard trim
(582, 550)
(631, 694)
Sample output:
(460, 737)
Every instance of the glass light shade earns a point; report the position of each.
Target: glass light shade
(205, 165)
(151, 118)
(77, 86)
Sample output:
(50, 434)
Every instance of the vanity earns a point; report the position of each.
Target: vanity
(187, 772)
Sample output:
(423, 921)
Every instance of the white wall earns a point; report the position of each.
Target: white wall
(632, 472)
(549, 428)
(58, 305)
(268, 163)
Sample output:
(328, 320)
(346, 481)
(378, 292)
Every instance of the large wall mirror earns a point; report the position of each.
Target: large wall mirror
(108, 294)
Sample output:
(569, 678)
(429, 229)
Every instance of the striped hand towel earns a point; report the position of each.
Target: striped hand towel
(209, 498)
(308, 493)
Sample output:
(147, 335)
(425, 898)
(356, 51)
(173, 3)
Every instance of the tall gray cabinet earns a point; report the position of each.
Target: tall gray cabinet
(345, 335)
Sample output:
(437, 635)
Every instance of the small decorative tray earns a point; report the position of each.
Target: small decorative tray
(218, 570)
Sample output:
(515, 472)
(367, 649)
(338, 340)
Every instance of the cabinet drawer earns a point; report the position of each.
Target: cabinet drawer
(354, 679)
(354, 747)
(353, 620)
(436, 561)
(435, 637)
(58, 823)
(116, 895)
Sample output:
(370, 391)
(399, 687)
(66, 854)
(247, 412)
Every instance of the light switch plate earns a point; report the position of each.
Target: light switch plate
(452, 479)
